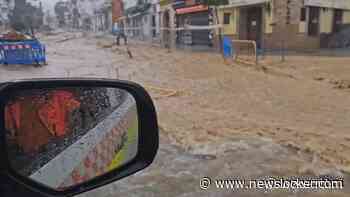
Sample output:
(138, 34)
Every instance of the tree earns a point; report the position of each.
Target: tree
(25, 17)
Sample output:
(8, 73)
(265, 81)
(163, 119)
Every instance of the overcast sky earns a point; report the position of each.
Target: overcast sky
(50, 4)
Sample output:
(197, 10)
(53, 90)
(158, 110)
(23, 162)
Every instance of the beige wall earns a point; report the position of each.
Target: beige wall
(268, 20)
(303, 24)
(232, 28)
(326, 20)
(346, 17)
(302, 27)
(229, 29)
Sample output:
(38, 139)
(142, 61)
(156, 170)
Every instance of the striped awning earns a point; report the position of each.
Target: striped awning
(196, 8)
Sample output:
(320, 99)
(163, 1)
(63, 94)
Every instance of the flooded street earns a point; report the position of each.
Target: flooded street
(229, 120)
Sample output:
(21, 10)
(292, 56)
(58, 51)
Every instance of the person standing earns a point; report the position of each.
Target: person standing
(117, 15)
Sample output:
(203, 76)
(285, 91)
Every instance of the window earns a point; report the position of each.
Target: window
(303, 14)
(227, 17)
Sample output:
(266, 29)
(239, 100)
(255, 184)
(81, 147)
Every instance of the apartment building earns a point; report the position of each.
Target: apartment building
(299, 24)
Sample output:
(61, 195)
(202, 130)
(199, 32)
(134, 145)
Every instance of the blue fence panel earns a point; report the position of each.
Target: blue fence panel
(22, 52)
(227, 47)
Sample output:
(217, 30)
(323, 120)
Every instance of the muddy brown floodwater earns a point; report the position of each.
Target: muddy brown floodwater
(298, 105)
(223, 119)
(283, 102)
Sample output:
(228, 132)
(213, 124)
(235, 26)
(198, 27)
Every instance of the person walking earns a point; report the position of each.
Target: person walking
(119, 30)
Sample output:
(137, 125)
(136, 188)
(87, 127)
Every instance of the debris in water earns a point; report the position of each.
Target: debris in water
(205, 157)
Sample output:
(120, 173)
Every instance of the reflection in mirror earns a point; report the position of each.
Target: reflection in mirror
(63, 137)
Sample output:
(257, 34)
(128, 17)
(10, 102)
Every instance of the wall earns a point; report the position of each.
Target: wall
(302, 27)
(294, 33)
(293, 41)
(117, 10)
(229, 29)
(346, 17)
(326, 20)
(168, 38)
(268, 19)
(139, 24)
(147, 26)
(110, 20)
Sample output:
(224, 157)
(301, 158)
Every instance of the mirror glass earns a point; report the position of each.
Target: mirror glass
(64, 137)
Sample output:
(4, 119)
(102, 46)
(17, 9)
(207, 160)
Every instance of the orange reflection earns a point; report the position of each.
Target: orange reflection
(33, 120)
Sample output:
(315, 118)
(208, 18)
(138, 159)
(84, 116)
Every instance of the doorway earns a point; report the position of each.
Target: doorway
(254, 24)
(314, 22)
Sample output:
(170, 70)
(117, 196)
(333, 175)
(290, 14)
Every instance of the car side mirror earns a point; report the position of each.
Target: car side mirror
(62, 137)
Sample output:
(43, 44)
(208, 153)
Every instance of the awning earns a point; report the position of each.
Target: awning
(197, 8)
(338, 4)
(240, 3)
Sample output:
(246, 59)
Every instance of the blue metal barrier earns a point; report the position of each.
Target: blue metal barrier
(22, 52)
(227, 47)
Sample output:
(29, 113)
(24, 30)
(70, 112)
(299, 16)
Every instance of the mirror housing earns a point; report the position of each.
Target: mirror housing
(148, 137)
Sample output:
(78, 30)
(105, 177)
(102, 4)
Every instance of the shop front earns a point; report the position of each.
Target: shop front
(191, 20)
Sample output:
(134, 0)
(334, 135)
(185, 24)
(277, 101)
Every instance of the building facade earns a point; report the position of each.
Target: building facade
(141, 20)
(89, 15)
(96, 15)
(298, 24)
